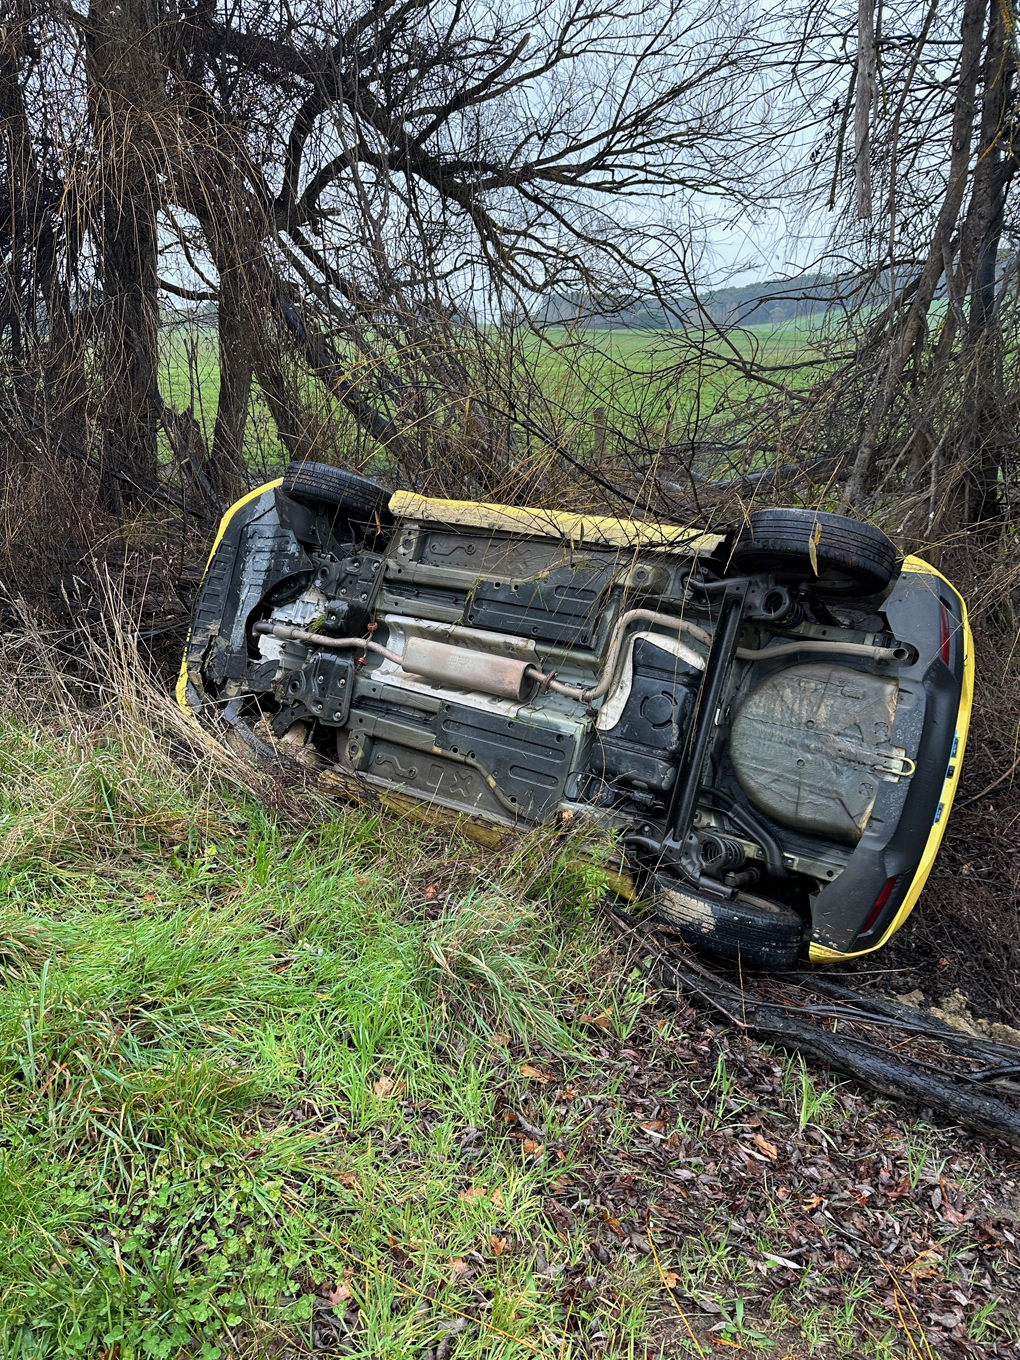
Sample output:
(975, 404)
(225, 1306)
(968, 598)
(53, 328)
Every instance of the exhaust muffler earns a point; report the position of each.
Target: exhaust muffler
(501, 676)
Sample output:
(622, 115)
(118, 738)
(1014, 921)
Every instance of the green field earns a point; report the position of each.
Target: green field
(641, 383)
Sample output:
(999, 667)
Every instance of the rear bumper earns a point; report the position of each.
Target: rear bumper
(877, 891)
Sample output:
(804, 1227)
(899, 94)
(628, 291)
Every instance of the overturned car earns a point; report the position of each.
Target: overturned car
(768, 724)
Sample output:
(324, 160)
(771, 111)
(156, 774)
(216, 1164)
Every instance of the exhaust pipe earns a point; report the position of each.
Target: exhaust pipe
(500, 676)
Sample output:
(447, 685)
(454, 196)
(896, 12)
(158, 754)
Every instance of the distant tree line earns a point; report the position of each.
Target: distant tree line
(770, 302)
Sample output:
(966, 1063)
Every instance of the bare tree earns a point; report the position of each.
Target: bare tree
(911, 400)
(377, 199)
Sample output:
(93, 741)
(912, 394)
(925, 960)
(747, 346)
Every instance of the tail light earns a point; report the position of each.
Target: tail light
(947, 634)
(880, 901)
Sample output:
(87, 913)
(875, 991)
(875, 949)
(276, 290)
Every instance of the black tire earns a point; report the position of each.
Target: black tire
(242, 741)
(751, 929)
(318, 484)
(853, 557)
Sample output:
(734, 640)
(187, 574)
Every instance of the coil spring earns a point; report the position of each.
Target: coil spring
(721, 854)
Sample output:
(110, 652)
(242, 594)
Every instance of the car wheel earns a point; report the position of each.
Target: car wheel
(850, 556)
(318, 484)
(748, 928)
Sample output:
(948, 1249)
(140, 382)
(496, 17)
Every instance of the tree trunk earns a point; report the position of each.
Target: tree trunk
(295, 430)
(227, 466)
(902, 341)
(862, 105)
(982, 342)
(126, 96)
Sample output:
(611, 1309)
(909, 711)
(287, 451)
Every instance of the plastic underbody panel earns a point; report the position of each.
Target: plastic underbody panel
(816, 754)
(810, 745)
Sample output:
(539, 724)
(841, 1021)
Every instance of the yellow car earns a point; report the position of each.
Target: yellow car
(769, 722)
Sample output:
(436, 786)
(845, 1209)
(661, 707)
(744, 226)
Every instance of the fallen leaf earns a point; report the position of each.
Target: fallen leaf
(810, 1204)
(670, 1279)
(497, 1198)
(386, 1086)
(535, 1073)
(616, 1226)
(458, 1266)
(148, 897)
(813, 542)
(431, 893)
(349, 1180)
(783, 1261)
(603, 1021)
(339, 1295)
(498, 1244)
(763, 1145)
(475, 1192)
(500, 1040)
(926, 1265)
(652, 1126)
(533, 1148)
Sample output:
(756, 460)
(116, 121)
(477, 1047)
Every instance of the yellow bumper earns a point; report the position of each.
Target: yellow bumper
(819, 953)
(182, 677)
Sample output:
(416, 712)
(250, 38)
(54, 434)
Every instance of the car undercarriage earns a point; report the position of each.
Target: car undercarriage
(764, 724)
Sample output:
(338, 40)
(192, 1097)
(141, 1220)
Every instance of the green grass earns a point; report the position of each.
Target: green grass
(272, 1066)
(646, 373)
(647, 385)
(190, 381)
(238, 1061)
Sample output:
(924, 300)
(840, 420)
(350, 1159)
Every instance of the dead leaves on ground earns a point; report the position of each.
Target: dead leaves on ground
(477, 1192)
(645, 1126)
(535, 1074)
(809, 1210)
(386, 1088)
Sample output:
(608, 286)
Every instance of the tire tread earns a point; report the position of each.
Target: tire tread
(322, 484)
(778, 539)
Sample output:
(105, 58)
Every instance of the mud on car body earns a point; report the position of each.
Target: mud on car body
(768, 723)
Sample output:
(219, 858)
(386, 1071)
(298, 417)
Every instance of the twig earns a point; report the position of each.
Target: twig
(892, 1075)
(993, 785)
(658, 1266)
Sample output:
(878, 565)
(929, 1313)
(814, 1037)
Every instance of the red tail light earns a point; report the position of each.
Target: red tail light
(946, 633)
(880, 901)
